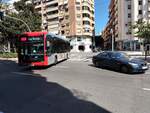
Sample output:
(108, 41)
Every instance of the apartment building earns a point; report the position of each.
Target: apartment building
(123, 14)
(73, 19)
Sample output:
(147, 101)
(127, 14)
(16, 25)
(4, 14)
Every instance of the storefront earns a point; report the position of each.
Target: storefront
(131, 45)
(81, 44)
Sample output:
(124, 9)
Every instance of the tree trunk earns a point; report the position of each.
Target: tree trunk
(8, 46)
(142, 49)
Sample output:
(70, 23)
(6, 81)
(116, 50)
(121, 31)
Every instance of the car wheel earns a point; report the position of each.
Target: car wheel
(124, 69)
(96, 64)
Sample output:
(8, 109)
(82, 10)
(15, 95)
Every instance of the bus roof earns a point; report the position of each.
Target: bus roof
(35, 33)
(45, 33)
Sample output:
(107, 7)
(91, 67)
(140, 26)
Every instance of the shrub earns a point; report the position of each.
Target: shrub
(8, 55)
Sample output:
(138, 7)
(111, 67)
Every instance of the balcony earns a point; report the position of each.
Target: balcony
(38, 6)
(87, 33)
(52, 16)
(87, 19)
(86, 11)
(53, 26)
(51, 23)
(51, 2)
(51, 9)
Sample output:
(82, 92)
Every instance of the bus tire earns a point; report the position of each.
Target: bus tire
(67, 56)
(56, 60)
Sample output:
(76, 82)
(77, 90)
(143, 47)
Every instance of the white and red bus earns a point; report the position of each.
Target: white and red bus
(42, 49)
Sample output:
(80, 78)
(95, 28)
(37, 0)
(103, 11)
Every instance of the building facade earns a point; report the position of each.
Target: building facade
(73, 19)
(123, 14)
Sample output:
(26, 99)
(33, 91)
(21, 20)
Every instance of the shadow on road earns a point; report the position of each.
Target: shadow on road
(22, 91)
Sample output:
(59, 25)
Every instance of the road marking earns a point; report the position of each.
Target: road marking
(146, 89)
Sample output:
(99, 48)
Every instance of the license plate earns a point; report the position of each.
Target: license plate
(144, 67)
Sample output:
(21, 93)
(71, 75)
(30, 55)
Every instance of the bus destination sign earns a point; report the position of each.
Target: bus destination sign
(33, 39)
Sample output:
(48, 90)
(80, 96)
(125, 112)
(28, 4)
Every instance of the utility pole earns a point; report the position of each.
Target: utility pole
(112, 42)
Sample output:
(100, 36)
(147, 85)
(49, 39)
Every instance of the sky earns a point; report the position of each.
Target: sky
(101, 14)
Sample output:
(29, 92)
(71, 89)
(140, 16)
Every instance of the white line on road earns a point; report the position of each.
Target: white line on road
(146, 89)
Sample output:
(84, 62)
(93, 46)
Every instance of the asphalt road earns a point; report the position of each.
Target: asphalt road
(73, 86)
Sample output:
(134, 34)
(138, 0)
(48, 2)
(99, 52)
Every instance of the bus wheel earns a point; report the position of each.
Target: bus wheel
(55, 60)
(67, 56)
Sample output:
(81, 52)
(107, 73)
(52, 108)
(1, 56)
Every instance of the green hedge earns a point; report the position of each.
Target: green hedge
(8, 55)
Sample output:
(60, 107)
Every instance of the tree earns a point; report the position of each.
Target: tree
(142, 30)
(27, 13)
(24, 11)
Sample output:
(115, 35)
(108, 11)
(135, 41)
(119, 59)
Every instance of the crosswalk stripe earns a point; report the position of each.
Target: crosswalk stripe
(146, 89)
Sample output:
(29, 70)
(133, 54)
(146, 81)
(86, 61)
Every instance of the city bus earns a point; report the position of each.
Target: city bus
(42, 48)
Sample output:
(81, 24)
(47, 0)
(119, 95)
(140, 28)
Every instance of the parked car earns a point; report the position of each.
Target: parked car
(119, 61)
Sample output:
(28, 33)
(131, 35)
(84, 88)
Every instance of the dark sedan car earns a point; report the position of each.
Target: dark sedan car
(119, 61)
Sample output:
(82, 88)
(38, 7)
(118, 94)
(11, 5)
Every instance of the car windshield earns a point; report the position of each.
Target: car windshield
(120, 55)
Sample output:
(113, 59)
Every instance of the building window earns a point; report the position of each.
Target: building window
(77, 3)
(79, 39)
(140, 2)
(66, 9)
(63, 26)
(86, 23)
(67, 24)
(62, 32)
(129, 6)
(129, 15)
(140, 12)
(86, 15)
(92, 25)
(52, 12)
(78, 16)
(78, 23)
(53, 19)
(86, 8)
(78, 8)
(67, 17)
(87, 30)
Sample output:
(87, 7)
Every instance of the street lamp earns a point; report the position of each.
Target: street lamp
(112, 42)
(21, 21)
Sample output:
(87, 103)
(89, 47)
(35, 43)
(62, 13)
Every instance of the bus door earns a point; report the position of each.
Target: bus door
(50, 52)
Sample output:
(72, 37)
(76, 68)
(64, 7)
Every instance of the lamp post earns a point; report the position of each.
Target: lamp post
(112, 40)
(21, 21)
(44, 25)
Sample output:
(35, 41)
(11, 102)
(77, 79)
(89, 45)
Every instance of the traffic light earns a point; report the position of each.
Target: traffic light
(1, 15)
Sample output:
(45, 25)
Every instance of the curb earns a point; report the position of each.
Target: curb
(12, 59)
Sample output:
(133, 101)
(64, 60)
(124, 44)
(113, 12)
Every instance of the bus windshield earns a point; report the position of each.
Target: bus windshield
(32, 46)
(37, 48)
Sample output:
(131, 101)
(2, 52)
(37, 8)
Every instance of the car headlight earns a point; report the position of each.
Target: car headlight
(134, 64)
